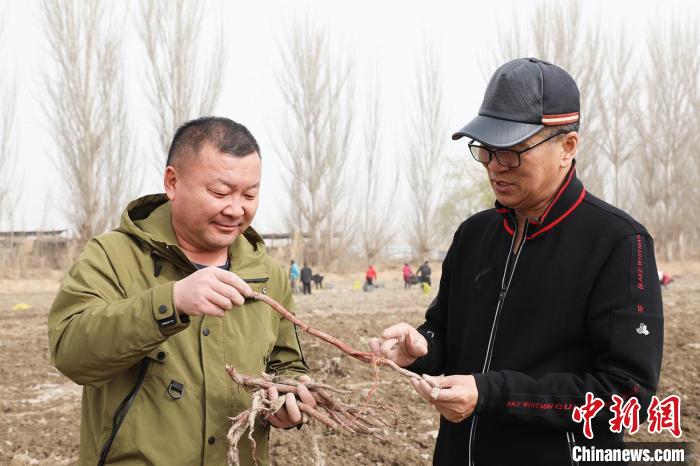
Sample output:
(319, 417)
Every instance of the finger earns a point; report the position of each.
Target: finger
(227, 291)
(433, 381)
(305, 395)
(305, 378)
(293, 409)
(276, 422)
(434, 386)
(416, 344)
(375, 345)
(234, 280)
(397, 331)
(272, 393)
(210, 309)
(389, 347)
(452, 394)
(274, 419)
(281, 419)
(423, 389)
(222, 302)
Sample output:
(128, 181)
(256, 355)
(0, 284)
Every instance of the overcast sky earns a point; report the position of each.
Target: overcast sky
(384, 35)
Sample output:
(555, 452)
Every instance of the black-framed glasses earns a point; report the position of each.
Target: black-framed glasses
(505, 157)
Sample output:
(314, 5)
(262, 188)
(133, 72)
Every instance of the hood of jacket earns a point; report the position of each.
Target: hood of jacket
(148, 220)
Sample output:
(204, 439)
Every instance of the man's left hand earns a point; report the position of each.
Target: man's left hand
(454, 396)
(289, 414)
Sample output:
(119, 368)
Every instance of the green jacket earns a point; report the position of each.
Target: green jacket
(115, 310)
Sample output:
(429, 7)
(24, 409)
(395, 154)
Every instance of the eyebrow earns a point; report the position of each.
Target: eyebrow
(229, 185)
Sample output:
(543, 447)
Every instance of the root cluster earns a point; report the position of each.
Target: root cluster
(364, 418)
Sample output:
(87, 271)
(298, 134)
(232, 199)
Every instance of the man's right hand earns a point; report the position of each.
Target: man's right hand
(209, 291)
(400, 343)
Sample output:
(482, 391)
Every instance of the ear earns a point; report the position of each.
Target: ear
(569, 146)
(170, 181)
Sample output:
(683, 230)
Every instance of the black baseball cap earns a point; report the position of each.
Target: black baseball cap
(522, 97)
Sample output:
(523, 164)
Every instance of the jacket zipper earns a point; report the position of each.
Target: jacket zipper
(571, 442)
(505, 285)
(121, 411)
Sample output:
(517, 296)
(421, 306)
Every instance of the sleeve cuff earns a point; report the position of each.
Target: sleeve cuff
(167, 319)
(491, 392)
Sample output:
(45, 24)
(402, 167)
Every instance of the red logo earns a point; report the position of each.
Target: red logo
(663, 415)
(625, 415)
(587, 412)
(640, 263)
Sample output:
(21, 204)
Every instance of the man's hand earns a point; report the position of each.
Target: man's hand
(289, 414)
(454, 396)
(209, 291)
(400, 343)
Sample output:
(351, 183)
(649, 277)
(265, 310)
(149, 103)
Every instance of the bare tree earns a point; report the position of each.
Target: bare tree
(426, 136)
(179, 86)
(468, 191)
(87, 112)
(667, 125)
(376, 213)
(555, 32)
(316, 88)
(8, 98)
(692, 192)
(616, 138)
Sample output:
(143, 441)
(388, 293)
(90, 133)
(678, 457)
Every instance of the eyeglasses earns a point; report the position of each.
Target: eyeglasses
(505, 157)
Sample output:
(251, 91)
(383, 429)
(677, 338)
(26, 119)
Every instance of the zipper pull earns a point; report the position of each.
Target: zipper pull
(502, 295)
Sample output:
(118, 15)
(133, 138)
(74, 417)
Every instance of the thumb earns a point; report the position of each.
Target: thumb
(397, 331)
(435, 381)
(416, 345)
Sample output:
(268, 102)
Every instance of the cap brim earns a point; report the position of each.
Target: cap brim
(497, 133)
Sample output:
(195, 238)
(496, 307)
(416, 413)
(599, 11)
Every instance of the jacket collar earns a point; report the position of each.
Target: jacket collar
(568, 198)
(148, 219)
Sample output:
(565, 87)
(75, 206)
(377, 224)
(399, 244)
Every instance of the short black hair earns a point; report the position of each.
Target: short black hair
(563, 128)
(225, 135)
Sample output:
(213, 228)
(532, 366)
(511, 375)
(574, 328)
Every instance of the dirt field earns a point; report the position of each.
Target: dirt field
(40, 408)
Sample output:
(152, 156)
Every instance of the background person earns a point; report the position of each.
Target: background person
(407, 275)
(424, 273)
(371, 276)
(306, 277)
(294, 277)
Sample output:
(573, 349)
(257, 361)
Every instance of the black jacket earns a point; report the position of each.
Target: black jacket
(306, 274)
(569, 321)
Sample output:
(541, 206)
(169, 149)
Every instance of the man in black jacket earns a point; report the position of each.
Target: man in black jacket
(549, 296)
(306, 276)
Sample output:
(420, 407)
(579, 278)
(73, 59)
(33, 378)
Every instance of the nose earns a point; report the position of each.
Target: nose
(495, 167)
(233, 208)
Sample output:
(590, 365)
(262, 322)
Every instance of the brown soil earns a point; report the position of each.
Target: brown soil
(41, 408)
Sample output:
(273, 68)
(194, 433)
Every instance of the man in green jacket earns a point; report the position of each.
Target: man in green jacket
(152, 312)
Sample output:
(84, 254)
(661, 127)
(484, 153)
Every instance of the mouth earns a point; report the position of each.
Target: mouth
(502, 187)
(226, 226)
